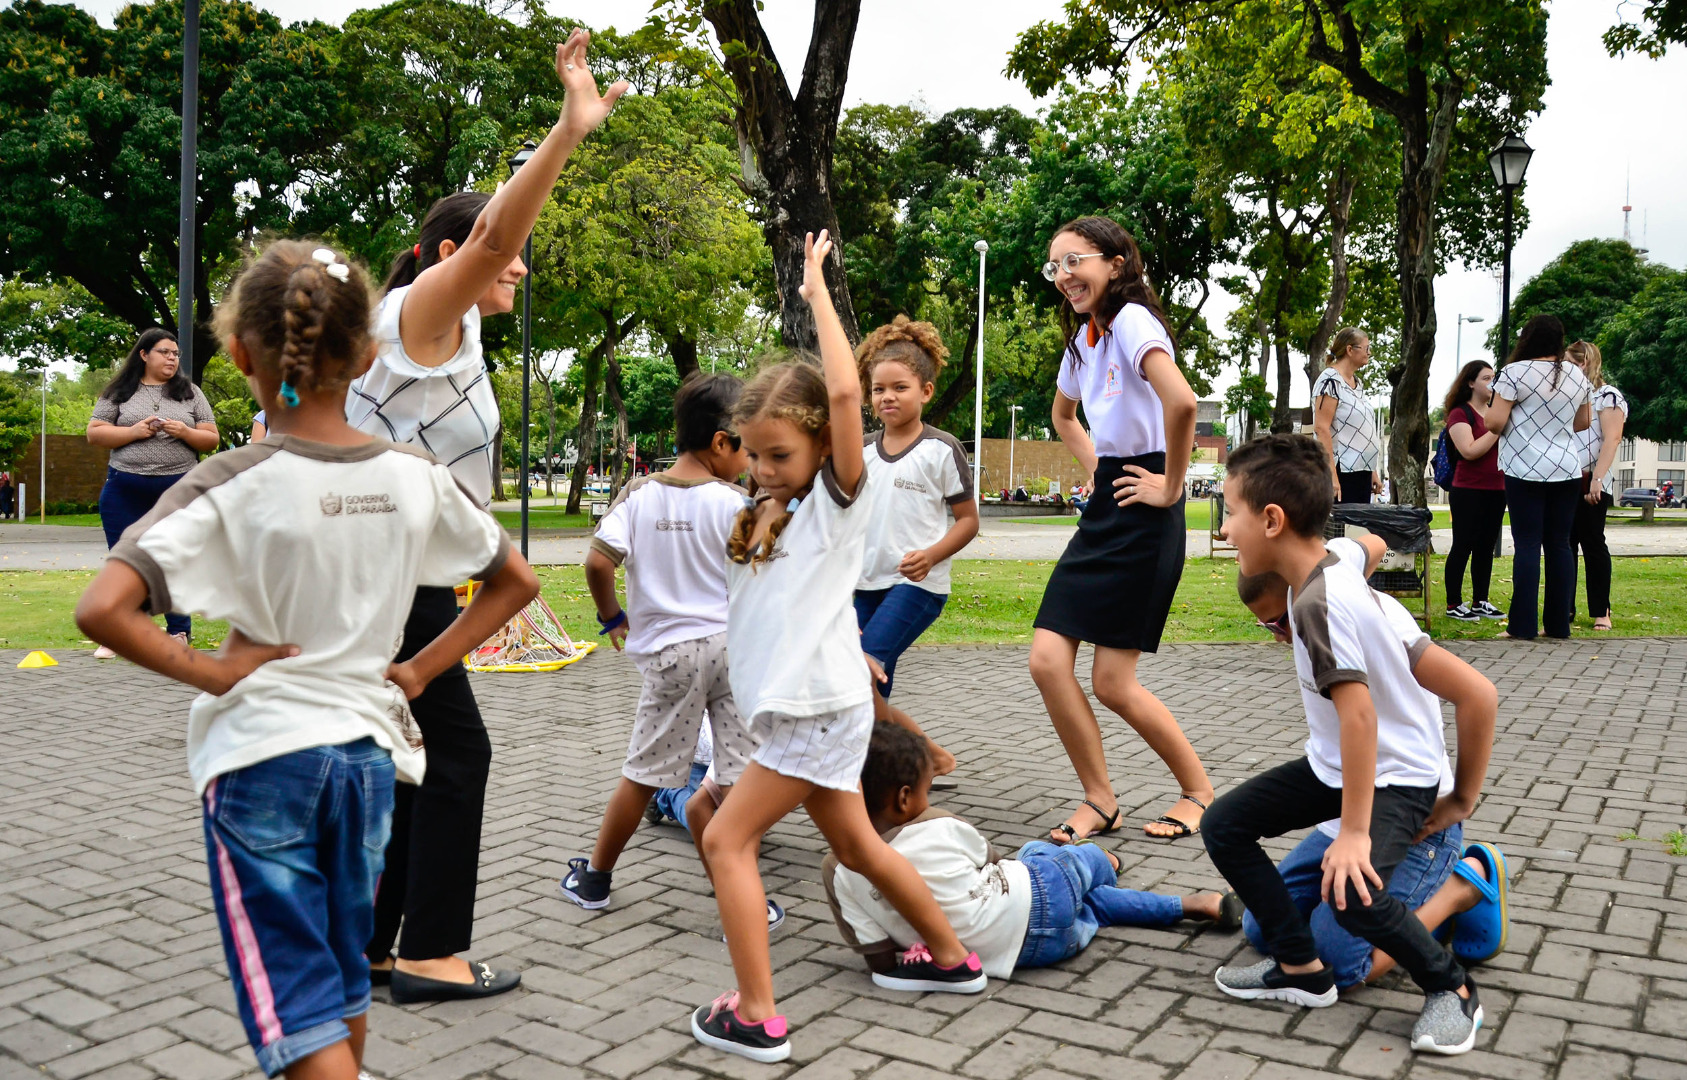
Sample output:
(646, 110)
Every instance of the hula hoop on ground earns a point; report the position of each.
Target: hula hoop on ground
(533, 640)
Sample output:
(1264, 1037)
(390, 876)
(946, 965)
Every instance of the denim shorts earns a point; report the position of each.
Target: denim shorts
(891, 620)
(295, 846)
(1426, 868)
(1074, 892)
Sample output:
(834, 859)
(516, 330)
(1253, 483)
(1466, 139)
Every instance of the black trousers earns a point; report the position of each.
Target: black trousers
(1291, 797)
(1543, 514)
(433, 858)
(1588, 535)
(1477, 518)
(1355, 487)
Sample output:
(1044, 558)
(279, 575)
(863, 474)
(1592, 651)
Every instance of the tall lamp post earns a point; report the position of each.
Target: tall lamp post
(517, 160)
(1509, 159)
(1458, 346)
(978, 379)
(186, 255)
(1013, 433)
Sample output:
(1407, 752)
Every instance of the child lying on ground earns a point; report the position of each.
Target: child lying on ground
(1038, 908)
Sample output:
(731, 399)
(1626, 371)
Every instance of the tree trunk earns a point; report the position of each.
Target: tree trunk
(617, 464)
(586, 429)
(785, 145)
(1339, 210)
(683, 350)
(960, 385)
(498, 468)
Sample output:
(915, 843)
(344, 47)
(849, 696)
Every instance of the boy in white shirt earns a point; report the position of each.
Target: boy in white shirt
(668, 531)
(1038, 908)
(1374, 758)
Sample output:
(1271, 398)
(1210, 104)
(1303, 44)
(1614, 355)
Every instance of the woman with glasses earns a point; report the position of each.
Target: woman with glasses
(1344, 420)
(156, 423)
(1113, 586)
(1599, 451)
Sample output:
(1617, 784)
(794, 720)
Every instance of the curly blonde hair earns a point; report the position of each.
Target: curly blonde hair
(793, 390)
(914, 344)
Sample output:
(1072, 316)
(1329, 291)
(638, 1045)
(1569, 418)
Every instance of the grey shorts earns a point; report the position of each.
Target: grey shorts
(681, 683)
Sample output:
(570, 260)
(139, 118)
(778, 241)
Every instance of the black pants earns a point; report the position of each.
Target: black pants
(1291, 797)
(1477, 517)
(1355, 487)
(433, 858)
(1588, 535)
(1543, 514)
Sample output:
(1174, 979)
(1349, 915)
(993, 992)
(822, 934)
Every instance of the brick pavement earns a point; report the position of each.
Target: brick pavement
(110, 966)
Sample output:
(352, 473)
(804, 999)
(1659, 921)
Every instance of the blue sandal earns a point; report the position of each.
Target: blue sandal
(1480, 933)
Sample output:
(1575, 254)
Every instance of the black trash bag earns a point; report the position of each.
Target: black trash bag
(1403, 528)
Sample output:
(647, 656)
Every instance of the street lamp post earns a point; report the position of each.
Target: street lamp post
(517, 160)
(978, 379)
(43, 495)
(1013, 433)
(186, 255)
(1458, 346)
(1509, 160)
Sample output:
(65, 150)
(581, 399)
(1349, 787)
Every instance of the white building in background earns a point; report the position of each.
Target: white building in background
(1642, 463)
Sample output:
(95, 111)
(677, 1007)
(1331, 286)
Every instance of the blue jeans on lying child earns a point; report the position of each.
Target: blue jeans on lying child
(295, 846)
(1426, 868)
(1074, 892)
(671, 800)
(893, 619)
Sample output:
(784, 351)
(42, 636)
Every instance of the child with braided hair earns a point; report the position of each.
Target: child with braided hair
(799, 675)
(304, 725)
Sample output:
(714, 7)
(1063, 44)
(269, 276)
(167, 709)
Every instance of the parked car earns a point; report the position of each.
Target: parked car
(1639, 496)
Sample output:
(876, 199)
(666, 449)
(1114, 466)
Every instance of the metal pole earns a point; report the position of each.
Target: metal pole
(1458, 346)
(526, 370)
(1505, 287)
(1013, 433)
(43, 444)
(978, 379)
(185, 245)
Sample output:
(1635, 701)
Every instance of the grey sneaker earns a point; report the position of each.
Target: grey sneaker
(1266, 981)
(1448, 1023)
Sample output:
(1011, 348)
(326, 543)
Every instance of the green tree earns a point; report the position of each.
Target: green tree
(58, 322)
(20, 418)
(1662, 23)
(1645, 351)
(1590, 282)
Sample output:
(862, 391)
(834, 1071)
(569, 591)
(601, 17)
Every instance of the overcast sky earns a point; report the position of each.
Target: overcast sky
(1605, 120)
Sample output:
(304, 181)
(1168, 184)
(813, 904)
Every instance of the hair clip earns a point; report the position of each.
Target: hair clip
(331, 263)
(749, 502)
(289, 396)
(791, 507)
(416, 251)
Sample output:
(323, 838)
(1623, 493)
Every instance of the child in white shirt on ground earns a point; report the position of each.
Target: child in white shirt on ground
(1038, 908)
(303, 726)
(799, 674)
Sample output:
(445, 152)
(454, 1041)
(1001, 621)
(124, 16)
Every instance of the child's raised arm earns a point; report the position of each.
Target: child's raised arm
(1475, 707)
(843, 378)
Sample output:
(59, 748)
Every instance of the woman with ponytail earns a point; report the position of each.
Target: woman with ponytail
(1344, 420)
(428, 387)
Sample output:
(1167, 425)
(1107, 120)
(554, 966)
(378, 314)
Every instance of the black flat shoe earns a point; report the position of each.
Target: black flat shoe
(408, 988)
(380, 976)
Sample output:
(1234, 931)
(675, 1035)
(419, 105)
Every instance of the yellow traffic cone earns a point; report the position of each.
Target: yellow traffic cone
(37, 659)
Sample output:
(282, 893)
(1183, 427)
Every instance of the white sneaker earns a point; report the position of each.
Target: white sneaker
(183, 639)
(103, 653)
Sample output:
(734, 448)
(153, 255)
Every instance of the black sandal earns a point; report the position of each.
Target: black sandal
(1230, 909)
(1109, 824)
(1181, 826)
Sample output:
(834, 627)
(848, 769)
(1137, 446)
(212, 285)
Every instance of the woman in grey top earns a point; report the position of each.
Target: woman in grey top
(156, 424)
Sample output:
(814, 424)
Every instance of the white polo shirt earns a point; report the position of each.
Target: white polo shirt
(1124, 413)
(908, 505)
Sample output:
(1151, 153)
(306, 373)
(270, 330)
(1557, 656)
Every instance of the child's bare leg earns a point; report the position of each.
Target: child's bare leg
(359, 1026)
(699, 811)
(731, 844)
(336, 1062)
(1053, 657)
(841, 817)
(1454, 896)
(942, 761)
(620, 820)
(1116, 686)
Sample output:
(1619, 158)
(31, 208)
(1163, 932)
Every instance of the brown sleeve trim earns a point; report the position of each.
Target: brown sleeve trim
(1415, 651)
(498, 560)
(603, 547)
(830, 480)
(1337, 676)
(829, 867)
(962, 466)
(963, 497)
(132, 555)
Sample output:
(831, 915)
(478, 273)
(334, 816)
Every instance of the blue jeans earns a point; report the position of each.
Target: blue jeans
(891, 620)
(295, 846)
(125, 499)
(671, 800)
(1423, 871)
(1074, 892)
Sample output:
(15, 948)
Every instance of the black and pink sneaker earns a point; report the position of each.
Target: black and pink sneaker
(918, 972)
(718, 1024)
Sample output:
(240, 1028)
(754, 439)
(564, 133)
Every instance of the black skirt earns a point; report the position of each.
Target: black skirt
(1114, 585)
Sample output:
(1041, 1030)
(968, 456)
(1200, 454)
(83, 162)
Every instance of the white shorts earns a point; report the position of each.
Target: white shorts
(681, 682)
(828, 750)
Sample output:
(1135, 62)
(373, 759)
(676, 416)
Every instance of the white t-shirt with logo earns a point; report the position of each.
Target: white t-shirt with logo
(1593, 439)
(1342, 634)
(907, 505)
(1540, 442)
(791, 637)
(1124, 413)
(986, 899)
(671, 535)
(319, 546)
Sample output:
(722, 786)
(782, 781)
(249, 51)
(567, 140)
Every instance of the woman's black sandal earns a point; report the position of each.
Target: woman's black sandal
(1109, 824)
(1183, 828)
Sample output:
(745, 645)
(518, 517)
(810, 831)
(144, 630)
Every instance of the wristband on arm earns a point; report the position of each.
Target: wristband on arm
(618, 619)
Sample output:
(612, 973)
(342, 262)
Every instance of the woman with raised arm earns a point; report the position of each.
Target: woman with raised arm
(428, 387)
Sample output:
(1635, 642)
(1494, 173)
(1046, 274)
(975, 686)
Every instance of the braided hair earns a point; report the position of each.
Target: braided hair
(795, 391)
(302, 310)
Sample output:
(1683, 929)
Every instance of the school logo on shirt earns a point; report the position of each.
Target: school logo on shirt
(674, 525)
(335, 505)
(1114, 386)
(911, 485)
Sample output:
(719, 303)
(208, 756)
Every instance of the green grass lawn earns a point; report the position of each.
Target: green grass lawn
(991, 603)
(545, 518)
(57, 519)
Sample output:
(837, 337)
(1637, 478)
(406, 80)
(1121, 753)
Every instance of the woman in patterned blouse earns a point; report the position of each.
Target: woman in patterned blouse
(1344, 420)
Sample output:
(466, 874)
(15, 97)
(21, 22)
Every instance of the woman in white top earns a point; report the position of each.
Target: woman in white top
(1599, 450)
(1114, 585)
(428, 387)
(1344, 420)
(1539, 404)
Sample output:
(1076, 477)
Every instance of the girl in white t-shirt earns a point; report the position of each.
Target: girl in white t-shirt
(920, 507)
(1114, 585)
(1599, 450)
(799, 675)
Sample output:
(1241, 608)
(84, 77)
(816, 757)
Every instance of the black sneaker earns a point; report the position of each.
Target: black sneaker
(587, 887)
(1462, 613)
(1266, 981)
(718, 1024)
(916, 971)
(653, 813)
(1487, 610)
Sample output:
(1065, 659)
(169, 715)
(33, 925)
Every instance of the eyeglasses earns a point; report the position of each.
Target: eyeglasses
(1069, 263)
(167, 354)
(1279, 625)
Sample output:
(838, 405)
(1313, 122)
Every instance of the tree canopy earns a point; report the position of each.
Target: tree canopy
(1585, 286)
(1645, 351)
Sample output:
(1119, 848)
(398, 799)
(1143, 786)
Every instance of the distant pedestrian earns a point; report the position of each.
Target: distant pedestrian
(1477, 497)
(1344, 420)
(8, 495)
(1599, 451)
